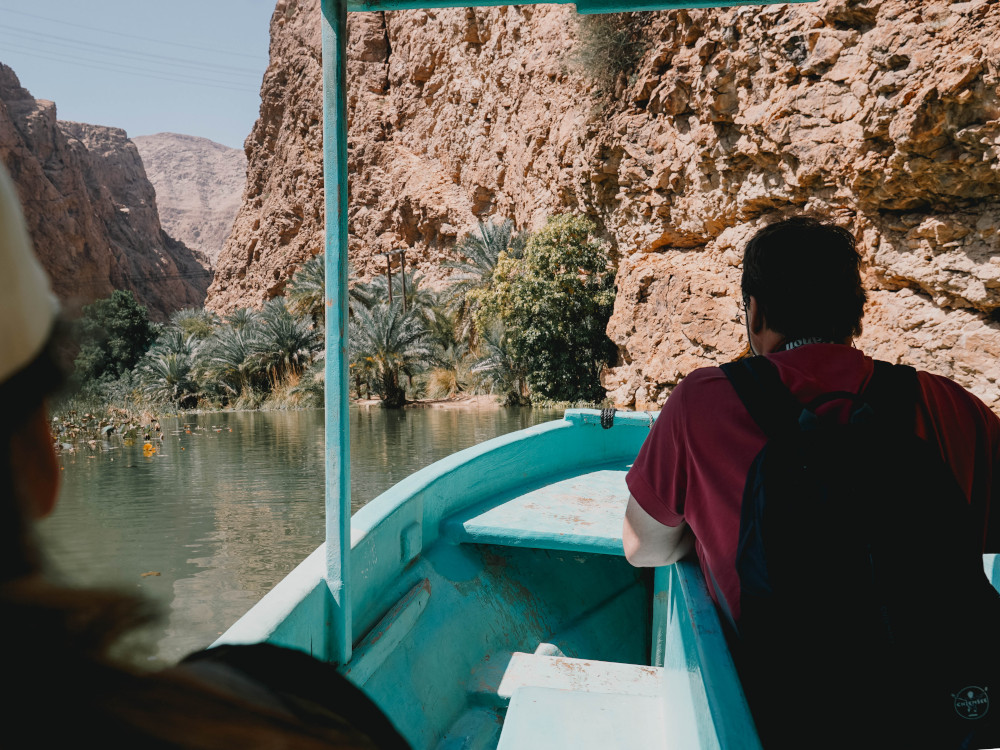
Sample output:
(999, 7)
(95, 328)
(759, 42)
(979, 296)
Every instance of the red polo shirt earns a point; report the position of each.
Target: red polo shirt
(694, 464)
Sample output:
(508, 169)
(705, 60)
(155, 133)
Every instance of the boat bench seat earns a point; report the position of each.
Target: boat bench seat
(561, 702)
(582, 513)
(551, 718)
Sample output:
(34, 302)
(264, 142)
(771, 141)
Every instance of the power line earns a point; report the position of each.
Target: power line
(129, 36)
(118, 51)
(110, 67)
(71, 56)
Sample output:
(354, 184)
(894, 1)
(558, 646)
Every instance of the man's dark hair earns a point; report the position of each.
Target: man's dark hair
(806, 278)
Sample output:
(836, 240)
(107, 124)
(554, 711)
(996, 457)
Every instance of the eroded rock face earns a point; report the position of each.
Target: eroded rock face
(199, 187)
(883, 116)
(91, 211)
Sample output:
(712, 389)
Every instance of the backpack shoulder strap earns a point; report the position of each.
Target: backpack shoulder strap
(770, 403)
(893, 392)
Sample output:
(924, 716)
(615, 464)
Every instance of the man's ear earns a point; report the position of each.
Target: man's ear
(755, 315)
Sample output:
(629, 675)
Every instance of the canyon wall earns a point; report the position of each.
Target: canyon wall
(199, 186)
(90, 209)
(883, 116)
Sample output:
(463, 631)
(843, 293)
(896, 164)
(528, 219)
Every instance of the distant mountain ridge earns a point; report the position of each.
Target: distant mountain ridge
(91, 211)
(199, 187)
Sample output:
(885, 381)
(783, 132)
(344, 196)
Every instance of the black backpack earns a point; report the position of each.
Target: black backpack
(867, 619)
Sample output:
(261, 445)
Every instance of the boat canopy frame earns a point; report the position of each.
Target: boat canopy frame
(335, 178)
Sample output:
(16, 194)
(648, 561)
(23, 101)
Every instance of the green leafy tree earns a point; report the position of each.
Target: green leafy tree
(555, 303)
(114, 333)
(385, 344)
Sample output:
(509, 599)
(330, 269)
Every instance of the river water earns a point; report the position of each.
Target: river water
(230, 502)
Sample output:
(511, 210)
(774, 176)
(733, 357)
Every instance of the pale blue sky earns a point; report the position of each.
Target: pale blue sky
(179, 66)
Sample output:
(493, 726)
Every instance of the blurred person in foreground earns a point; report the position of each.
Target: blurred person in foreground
(67, 674)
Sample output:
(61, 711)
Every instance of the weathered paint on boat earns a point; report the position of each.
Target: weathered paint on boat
(494, 608)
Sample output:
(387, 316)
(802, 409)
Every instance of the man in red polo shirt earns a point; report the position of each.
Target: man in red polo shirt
(804, 302)
(687, 482)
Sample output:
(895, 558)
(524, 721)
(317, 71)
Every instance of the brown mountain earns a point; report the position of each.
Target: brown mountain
(884, 116)
(90, 209)
(199, 187)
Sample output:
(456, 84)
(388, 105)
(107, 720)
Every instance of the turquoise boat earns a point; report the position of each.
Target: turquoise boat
(485, 601)
(495, 608)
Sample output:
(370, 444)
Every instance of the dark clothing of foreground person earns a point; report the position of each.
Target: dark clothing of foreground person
(66, 661)
(804, 301)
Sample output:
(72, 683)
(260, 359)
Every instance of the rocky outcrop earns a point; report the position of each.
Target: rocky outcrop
(90, 210)
(882, 115)
(199, 187)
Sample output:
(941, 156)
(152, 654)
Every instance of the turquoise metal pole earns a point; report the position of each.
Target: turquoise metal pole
(338, 445)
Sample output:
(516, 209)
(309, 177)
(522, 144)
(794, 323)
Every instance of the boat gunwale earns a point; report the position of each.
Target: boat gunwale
(272, 617)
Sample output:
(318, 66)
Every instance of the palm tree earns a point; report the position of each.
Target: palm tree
(376, 291)
(285, 344)
(194, 321)
(167, 376)
(232, 357)
(388, 342)
(501, 374)
(310, 389)
(481, 250)
(307, 290)
(450, 374)
(441, 326)
(242, 317)
(174, 340)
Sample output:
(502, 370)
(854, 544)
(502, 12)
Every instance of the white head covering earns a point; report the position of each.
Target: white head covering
(28, 308)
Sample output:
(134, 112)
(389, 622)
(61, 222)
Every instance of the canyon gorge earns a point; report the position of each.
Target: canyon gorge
(91, 211)
(883, 116)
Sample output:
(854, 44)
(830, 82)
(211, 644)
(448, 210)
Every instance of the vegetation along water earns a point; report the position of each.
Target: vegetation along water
(522, 317)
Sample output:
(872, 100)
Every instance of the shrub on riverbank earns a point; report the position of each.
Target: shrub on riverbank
(113, 333)
(554, 304)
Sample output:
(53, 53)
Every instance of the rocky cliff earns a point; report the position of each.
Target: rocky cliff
(882, 115)
(90, 209)
(199, 186)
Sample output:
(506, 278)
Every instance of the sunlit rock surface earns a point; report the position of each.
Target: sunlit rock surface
(199, 187)
(882, 115)
(90, 210)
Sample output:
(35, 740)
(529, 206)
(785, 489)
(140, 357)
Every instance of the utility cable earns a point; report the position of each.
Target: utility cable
(109, 67)
(19, 33)
(128, 36)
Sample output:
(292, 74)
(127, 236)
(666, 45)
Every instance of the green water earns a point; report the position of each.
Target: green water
(230, 502)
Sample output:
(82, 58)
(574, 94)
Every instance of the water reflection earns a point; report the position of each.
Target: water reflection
(228, 503)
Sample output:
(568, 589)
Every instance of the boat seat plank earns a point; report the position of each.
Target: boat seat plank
(580, 513)
(542, 717)
(578, 675)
